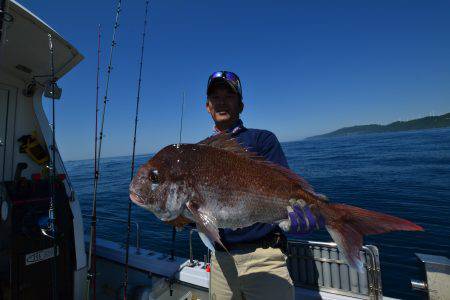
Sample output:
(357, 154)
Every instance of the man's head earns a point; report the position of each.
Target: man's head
(224, 101)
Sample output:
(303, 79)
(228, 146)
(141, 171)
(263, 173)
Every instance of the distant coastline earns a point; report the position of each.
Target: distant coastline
(416, 124)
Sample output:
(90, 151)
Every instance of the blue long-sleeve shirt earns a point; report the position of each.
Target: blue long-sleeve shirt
(263, 143)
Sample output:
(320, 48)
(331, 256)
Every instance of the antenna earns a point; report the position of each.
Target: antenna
(181, 119)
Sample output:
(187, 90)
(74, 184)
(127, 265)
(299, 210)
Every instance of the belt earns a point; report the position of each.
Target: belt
(273, 240)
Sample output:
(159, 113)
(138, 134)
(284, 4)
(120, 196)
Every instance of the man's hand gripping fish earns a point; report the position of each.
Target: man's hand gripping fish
(218, 184)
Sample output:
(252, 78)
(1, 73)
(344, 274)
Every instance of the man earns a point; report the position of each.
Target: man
(255, 267)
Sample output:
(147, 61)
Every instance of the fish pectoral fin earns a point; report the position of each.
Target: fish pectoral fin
(205, 223)
(206, 241)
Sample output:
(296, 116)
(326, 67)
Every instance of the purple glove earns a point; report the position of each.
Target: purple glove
(302, 220)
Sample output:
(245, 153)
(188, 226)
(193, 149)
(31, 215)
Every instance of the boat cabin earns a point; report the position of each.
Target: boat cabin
(26, 253)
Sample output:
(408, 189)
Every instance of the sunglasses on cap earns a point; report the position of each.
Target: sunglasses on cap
(229, 77)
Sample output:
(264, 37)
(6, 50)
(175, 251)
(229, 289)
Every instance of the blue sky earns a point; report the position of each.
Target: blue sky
(307, 67)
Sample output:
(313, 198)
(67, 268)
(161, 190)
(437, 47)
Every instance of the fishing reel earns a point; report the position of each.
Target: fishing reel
(52, 90)
(48, 226)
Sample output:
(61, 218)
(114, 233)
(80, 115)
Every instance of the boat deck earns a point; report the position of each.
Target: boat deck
(192, 275)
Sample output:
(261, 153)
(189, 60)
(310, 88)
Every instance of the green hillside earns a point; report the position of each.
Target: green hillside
(417, 124)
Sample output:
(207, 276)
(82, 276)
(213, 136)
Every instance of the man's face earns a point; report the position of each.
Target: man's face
(224, 107)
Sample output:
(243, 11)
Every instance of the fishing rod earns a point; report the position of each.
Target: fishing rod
(174, 229)
(92, 265)
(51, 210)
(138, 98)
(100, 139)
(108, 77)
(181, 119)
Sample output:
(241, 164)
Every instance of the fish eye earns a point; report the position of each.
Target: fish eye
(154, 177)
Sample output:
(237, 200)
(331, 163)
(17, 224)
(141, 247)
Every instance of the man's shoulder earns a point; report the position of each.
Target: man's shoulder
(261, 135)
(260, 131)
(264, 143)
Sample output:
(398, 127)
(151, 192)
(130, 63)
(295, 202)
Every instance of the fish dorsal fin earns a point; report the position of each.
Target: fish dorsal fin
(225, 141)
(290, 174)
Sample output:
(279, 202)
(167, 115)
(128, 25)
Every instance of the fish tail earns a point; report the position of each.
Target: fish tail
(348, 225)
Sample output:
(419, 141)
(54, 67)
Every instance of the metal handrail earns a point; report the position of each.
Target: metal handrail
(138, 229)
(206, 257)
(191, 252)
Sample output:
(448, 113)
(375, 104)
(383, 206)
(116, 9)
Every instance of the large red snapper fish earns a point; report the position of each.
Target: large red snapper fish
(218, 184)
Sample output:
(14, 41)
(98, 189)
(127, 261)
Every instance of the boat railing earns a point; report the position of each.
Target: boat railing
(117, 220)
(191, 252)
(315, 265)
(320, 266)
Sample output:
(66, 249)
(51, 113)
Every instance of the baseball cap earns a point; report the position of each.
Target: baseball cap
(227, 77)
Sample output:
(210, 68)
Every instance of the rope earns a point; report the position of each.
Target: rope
(105, 101)
(51, 210)
(92, 265)
(138, 98)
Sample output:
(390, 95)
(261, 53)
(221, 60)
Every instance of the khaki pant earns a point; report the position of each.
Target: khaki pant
(259, 274)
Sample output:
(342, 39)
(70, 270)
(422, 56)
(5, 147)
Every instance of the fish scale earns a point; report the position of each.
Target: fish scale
(218, 184)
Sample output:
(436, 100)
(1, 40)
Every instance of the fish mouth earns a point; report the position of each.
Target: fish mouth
(136, 198)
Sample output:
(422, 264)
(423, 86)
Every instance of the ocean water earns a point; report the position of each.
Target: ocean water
(406, 174)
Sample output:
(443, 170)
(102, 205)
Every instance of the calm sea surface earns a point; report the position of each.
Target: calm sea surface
(406, 174)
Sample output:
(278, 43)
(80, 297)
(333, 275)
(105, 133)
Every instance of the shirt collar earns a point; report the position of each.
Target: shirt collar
(237, 127)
